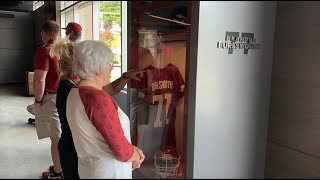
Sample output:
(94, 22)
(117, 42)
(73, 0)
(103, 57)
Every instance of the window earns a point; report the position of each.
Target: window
(66, 18)
(100, 20)
(65, 4)
(84, 18)
(110, 32)
(37, 4)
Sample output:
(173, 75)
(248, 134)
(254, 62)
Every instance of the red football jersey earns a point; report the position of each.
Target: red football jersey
(164, 88)
(162, 81)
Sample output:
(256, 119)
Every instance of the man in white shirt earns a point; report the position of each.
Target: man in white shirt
(74, 32)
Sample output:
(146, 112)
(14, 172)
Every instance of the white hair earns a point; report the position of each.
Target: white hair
(91, 58)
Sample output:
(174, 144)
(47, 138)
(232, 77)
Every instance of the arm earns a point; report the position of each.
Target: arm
(137, 164)
(39, 84)
(137, 158)
(41, 67)
(116, 86)
(102, 112)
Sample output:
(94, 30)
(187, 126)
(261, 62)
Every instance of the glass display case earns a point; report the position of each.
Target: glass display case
(157, 43)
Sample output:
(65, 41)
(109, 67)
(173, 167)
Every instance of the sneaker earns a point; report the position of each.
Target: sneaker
(51, 168)
(52, 175)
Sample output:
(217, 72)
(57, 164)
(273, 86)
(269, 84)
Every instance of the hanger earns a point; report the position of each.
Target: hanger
(159, 60)
(171, 20)
(166, 19)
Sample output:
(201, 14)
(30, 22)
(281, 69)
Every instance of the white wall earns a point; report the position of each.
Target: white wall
(232, 91)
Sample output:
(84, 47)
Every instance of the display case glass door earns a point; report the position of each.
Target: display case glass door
(158, 35)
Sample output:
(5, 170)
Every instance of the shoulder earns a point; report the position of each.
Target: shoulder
(150, 67)
(171, 66)
(42, 51)
(91, 96)
(65, 87)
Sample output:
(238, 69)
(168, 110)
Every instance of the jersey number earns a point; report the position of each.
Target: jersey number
(168, 97)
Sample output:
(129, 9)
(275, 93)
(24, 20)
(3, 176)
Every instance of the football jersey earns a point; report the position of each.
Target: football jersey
(163, 88)
(160, 82)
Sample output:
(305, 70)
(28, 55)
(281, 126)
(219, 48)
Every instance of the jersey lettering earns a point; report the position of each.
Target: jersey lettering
(161, 85)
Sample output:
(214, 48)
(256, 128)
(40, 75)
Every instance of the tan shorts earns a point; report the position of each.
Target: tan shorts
(47, 119)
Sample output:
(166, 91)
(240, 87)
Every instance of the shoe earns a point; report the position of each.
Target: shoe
(51, 168)
(52, 175)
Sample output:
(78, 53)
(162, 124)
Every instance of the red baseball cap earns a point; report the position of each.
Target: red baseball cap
(72, 26)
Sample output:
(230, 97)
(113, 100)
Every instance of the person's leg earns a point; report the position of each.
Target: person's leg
(68, 158)
(55, 133)
(55, 154)
(48, 125)
(56, 173)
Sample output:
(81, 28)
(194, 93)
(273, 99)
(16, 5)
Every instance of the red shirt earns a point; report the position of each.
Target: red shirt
(44, 62)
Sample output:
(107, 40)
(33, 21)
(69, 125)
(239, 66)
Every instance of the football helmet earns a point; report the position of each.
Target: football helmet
(167, 162)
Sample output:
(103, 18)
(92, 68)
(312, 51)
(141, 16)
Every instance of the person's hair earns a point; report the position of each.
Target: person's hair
(91, 58)
(64, 50)
(51, 28)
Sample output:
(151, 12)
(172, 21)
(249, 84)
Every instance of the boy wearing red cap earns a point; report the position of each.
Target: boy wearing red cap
(74, 32)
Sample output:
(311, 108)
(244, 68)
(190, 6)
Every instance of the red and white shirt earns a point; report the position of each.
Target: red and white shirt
(101, 134)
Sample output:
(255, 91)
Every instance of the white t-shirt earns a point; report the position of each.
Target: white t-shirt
(77, 41)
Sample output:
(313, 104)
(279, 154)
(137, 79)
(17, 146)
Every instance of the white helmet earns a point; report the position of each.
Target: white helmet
(167, 162)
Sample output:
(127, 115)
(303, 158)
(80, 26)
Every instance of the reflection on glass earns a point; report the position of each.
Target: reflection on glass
(163, 85)
(110, 32)
(157, 100)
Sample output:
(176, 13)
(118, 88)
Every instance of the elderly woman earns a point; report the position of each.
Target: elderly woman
(100, 129)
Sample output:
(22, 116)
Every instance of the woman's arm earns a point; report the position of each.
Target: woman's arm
(137, 163)
(102, 112)
(116, 86)
(137, 157)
